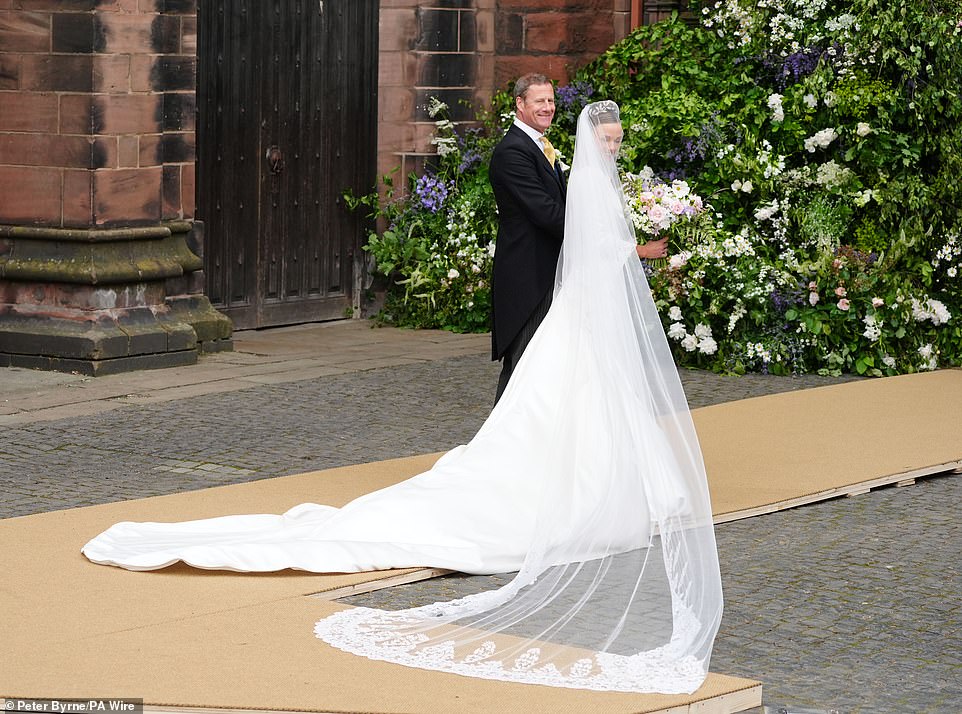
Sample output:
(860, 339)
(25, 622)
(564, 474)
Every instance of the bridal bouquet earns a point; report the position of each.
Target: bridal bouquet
(655, 206)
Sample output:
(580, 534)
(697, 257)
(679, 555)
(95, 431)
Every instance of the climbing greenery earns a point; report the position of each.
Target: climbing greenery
(825, 137)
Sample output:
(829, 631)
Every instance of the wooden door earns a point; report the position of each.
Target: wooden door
(287, 101)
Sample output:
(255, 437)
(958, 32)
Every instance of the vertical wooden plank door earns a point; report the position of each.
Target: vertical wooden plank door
(287, 101)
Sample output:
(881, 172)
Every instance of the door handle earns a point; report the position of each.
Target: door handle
(275, 159)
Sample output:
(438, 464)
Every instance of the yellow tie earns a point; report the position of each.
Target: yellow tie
(549, 151)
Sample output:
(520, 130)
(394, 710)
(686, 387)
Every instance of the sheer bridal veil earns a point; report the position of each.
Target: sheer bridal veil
(620, 588)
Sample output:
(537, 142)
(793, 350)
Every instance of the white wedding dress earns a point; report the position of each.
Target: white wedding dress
(586, 478)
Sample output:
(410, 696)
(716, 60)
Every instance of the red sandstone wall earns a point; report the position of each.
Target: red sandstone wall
(467, 49)
(97, 100)
(440, 48)
(96, 111)
(555, 37)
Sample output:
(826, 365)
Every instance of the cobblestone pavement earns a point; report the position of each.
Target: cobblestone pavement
(851, 604)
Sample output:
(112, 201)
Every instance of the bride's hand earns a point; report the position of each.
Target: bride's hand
(653, 249)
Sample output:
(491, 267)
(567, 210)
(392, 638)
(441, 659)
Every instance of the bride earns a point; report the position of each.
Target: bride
(586, 479)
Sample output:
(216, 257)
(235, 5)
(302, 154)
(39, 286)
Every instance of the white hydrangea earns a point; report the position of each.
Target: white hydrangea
(820, 139)
(435, 107)
(832, 174)
(445, 145)
(707, 346)
(873, 327)
(677, 331)
(767, 211)
(932, 310)
(930, 360)
(775, 104)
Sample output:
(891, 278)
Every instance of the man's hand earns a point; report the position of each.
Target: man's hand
(653, 249)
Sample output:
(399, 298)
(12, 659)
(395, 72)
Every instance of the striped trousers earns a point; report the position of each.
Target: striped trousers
(509, 359)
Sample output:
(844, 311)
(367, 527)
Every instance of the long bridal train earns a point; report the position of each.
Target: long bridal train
(586, 478)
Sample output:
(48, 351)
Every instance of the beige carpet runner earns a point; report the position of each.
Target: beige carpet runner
(216, 640)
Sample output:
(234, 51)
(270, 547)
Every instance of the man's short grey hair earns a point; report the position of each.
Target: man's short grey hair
(524, 83)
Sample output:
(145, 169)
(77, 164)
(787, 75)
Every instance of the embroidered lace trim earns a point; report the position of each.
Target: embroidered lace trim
(374, 634)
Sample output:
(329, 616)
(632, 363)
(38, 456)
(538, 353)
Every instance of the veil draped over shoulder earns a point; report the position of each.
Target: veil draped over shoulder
(586, 479)
(619, 588)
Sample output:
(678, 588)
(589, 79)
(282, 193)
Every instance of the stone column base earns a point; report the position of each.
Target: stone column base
(99, 302)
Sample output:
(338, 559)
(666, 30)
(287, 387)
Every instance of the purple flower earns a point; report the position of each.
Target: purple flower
(793, 68)
(783, 300)
(573, 97)
(468, 160)
(694, 150)
(431, 192)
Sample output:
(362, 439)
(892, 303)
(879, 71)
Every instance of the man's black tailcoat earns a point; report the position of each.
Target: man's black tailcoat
(531, 205)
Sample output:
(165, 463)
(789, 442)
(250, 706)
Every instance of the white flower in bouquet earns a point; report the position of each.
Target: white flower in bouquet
(690, 343)
(681, 189)
(889, 361)
(660, 218)
(702, 331)
(674, 313)
(655, 206)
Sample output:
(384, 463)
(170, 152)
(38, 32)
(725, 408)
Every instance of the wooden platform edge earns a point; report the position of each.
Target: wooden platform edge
(729, 703)
(903, 478)
(411, 576)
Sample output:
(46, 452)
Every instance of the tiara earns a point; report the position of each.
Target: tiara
(605, 106)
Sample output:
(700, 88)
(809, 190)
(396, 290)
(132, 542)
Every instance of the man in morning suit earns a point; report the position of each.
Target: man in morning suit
(529, 188)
